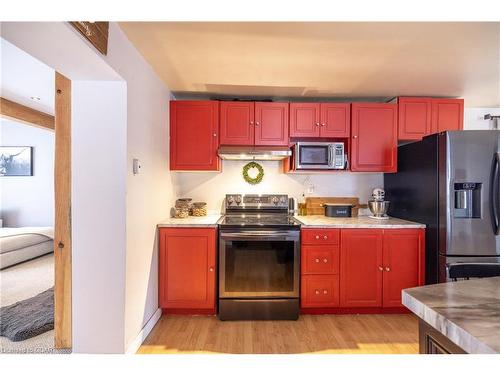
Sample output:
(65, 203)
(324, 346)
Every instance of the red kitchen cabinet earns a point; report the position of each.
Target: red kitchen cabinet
(361, 252)
(319, 259)
(403, 263)
(447, 114)
(271, 124)
(312, 236)
(320, 120)
(374, 137)
(194, 128)
(187, 268)
(419, 117)
(237, 123)
(319, 291)
(335, 120)
(414, 115)
(304, 119)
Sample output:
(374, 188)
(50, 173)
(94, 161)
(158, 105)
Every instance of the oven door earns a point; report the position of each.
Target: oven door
(313, 156)
(259, 264)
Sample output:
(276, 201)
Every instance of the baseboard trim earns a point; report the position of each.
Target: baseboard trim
(145, 331)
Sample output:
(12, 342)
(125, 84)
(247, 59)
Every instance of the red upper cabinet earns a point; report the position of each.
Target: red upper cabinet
(237, 123)
(403, 263)
(271, 124)
(187, 268)
(194, 138)
(414, 118)
(361, 252)
(335, 120)
(374, 137)
(315, 120)
(304, 119)
(447, 114)
(419, 117)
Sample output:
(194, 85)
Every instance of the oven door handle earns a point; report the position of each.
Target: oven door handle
(261, 235)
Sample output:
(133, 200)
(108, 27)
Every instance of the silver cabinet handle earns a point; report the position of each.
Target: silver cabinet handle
(211, 269)
(215, 134)
(317, 124)
(355, 136)
(317, 260)
(316, 291)
(325, 237)
(323, 124)
(317, 237)
(325, 260)
(257, 123)
(325, 291)
(251, 122)
(387, 269)
(380, 268)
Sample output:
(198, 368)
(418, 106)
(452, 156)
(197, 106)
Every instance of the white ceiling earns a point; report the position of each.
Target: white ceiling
(22, 76)
(334, 60)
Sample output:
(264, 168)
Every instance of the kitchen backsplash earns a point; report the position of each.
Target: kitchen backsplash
(212, 187)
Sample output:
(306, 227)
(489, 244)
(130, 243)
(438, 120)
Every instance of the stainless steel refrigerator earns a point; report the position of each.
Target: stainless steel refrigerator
(451, 182)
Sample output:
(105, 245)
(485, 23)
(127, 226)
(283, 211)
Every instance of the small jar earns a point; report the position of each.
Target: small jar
(199, 209)
(181, 212)
(185, 202)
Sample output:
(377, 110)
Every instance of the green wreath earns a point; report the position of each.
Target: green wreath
(257, 179)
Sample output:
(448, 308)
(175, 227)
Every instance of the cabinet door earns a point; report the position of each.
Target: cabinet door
(335, 120)
(187, 268)
(271, 124)
(194, 135)
(374, 137)
(304, 119)
(447, 114)
(361, 267)
(237, 123)
(403, 263)
(319, 259)
(414, 118)
(319, 291)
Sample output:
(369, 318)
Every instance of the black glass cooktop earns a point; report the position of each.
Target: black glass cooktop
(258, 220)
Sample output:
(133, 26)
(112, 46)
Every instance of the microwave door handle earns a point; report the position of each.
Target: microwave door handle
(330, 155)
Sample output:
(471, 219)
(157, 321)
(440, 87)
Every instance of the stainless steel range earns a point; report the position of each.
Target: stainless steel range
(259, 259)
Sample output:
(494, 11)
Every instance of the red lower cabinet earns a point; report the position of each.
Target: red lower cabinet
(360, 267)
(403, 263)
(362, 270)
(320, 291)
(187, 268)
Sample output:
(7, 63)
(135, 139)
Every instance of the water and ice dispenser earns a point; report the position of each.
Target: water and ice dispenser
(467, 200)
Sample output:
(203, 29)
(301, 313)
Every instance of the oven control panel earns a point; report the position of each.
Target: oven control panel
(256, 201)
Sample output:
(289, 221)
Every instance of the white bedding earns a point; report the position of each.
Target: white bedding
(21, 244)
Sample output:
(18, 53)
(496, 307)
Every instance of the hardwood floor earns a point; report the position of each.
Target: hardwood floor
(342, 334)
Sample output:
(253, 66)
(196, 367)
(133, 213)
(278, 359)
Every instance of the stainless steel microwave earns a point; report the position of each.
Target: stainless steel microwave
(320, 155)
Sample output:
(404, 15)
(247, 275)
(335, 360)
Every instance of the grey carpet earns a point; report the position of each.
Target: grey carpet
(31, 317)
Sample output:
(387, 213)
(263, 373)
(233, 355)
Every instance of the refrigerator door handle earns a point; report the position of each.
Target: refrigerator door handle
(495, 194)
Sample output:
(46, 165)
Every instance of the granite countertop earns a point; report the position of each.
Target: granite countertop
(211, 220)
(467, 312)
(321, 221)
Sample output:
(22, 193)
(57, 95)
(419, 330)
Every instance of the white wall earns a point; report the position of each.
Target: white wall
(99, 141)
(150, 192)
(474, 118)
(28, 200)
(211, 187)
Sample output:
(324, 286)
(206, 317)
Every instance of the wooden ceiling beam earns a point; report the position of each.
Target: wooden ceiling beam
(26, 115)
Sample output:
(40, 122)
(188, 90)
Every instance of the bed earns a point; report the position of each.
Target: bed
(18, 245)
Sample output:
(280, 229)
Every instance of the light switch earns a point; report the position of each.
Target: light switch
(136, 166)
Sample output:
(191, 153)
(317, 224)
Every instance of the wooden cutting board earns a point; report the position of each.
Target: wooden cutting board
(313, 204)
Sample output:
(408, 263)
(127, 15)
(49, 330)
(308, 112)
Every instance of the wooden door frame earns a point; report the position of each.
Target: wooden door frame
(62, 214)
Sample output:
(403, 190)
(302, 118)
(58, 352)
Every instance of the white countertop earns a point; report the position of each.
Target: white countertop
(210, 220)
(321, 221)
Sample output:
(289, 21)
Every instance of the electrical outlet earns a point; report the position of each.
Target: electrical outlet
(310, 189)
(136, 166)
